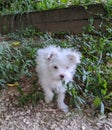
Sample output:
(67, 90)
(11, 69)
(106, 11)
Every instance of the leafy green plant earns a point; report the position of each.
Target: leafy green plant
(74, 90)
(20, 6)
(15, 61)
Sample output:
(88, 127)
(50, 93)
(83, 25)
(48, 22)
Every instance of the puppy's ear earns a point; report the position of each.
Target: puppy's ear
(74, 57)
(43, 54)
(40, 52)
(51, 56)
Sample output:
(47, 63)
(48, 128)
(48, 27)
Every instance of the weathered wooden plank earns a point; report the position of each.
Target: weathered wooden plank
(71, 19)
(5, 23)
(67, 14)
(68, 26)
(9, 23)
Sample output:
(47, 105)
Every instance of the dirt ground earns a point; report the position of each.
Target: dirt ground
(46, 117)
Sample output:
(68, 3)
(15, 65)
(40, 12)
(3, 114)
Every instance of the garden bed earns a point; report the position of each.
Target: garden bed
(72, 19)
(22, 105)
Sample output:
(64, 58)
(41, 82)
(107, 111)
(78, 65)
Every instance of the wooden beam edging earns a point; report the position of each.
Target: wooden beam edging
(71, 19)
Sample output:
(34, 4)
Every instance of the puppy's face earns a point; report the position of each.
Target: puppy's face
(61, 66)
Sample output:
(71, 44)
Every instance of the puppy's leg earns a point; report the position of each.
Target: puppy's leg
(60, 101)
(48, 95)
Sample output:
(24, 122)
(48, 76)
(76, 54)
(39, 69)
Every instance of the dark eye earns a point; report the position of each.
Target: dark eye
(55, 67)
(67, 67)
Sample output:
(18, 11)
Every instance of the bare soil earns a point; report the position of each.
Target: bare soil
(46, 117)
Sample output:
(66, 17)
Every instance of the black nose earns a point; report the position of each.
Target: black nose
(61, 76)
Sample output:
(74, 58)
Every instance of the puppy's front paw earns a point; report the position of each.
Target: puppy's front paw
(48, 99)
(63, 107)
(48, 96)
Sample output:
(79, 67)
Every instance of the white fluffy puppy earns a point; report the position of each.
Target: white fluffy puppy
(55, 65)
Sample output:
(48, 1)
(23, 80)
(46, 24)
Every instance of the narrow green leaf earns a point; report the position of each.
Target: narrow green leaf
(97, 102)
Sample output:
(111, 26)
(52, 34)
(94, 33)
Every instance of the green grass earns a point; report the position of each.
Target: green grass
(20, 6)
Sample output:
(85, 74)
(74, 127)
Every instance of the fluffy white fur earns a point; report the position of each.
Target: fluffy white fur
(54, 65)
